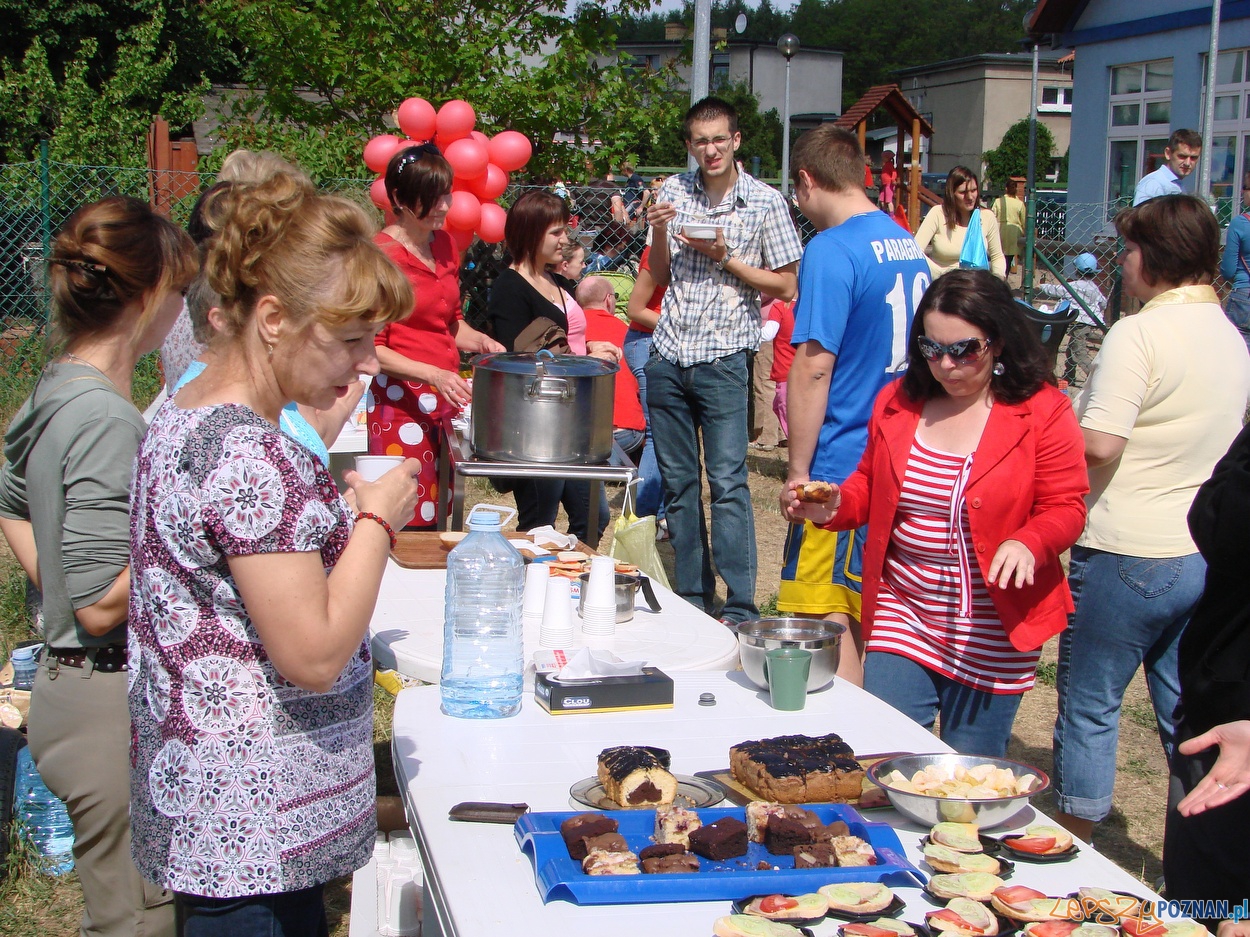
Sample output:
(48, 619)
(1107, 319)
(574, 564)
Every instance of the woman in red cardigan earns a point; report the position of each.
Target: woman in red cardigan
(972, 484)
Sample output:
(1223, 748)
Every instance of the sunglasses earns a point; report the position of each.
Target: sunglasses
(412, 154)
(965, 350)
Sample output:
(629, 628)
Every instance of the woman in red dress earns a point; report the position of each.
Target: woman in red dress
(420, 356)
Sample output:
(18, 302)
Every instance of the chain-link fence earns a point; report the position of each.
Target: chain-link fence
(37, 197)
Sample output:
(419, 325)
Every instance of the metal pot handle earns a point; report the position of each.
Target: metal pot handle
(549, 387)
(648, 593)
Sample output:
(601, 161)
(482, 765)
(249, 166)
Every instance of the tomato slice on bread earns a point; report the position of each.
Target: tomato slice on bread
(1040, 845)
(868, 930)
(946, 914)
(774, 903)
(1052, 928)
(1015, 894)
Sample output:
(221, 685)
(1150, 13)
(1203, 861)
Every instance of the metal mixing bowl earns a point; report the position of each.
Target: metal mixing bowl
(927, 811)
(822, 638)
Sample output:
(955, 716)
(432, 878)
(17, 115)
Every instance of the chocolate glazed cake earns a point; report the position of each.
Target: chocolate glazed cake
(796, 769)
(636, 774)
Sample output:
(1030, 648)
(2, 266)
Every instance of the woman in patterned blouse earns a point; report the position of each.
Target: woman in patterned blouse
(254, 579)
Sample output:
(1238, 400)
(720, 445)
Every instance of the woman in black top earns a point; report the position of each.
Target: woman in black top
(535, 234)
(1204, 847)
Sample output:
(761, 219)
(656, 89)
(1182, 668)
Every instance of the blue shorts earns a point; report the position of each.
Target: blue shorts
(822, 571)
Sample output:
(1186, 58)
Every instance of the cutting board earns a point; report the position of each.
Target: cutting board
(421, 549)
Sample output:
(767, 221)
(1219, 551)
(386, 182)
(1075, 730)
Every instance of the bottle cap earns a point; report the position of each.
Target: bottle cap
(23, 653)
(485, 520)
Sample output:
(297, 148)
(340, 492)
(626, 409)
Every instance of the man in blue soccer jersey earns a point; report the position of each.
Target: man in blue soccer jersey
(860, 281)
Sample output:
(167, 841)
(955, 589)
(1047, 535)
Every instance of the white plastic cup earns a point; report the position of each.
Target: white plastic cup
(373, 467)
(557, 622)
(535, 598)
(601, 584)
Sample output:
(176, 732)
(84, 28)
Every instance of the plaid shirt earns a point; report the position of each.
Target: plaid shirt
(709, 313)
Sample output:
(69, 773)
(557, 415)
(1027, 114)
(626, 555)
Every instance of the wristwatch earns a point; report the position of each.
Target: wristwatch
(720, 264)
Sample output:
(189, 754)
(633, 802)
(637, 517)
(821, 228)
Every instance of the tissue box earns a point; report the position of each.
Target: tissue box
(652, 689)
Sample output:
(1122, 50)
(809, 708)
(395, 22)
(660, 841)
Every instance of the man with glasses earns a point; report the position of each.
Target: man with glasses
(719, 239)
(1180, 157)
(859, 284)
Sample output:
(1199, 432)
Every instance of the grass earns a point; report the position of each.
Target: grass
(1046, 672)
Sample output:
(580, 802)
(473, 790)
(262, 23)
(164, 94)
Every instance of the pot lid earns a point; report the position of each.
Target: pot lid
(546, 363)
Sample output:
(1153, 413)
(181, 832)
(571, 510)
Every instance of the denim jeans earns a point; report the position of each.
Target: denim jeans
(707, 399)
(1237, 309)
(974, 722)
(285, 914)
(538, 500)
(1130, 610)
(650, 490)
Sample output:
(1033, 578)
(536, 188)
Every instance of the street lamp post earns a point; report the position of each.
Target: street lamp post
(787, 45)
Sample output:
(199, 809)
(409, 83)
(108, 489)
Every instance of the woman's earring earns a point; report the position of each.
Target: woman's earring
(998, 367)
(269, 348)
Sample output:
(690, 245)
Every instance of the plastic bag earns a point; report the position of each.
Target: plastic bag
(633, 540)
(974, 256)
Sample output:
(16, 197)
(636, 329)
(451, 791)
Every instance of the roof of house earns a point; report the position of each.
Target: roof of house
(889, 97)
(1022, 59)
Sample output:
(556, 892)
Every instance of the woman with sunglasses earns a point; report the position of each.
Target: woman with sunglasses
(1165, 398)
(941, 235)
(420, 382)
(972, 484)
(117, 273)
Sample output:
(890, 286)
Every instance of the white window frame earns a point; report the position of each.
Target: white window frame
(1063, 103)
(1141, 131)
(1238, 127)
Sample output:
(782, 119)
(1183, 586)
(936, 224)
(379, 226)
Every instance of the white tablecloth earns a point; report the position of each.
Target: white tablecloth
(479, 884)
(407, 630)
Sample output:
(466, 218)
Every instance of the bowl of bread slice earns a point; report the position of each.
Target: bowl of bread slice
(948, 787)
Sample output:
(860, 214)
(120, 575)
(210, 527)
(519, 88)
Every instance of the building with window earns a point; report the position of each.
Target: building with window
(972, 101)
(815, 74)
(1140, 73)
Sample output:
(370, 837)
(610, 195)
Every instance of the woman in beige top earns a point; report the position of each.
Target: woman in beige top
(941, 234)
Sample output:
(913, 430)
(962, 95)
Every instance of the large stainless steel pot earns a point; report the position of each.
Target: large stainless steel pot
(542, 408)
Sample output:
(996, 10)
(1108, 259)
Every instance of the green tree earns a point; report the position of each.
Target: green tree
(1011, 156)
(335, 69)
(94, 102)
(761, 132)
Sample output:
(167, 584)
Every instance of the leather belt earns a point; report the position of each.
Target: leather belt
(109, 659)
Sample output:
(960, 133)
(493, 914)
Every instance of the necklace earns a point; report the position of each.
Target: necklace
(73, 357)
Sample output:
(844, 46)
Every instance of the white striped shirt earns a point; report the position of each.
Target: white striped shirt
(934, 607)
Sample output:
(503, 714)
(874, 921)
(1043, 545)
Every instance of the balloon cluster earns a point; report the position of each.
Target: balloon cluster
(479, 164)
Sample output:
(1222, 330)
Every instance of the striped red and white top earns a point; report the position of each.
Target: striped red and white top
(934, 607)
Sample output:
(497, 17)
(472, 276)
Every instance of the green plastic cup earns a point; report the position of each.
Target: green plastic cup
(786, 669)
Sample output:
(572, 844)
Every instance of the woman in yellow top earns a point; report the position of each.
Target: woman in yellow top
(1009, 209)
(941, 234)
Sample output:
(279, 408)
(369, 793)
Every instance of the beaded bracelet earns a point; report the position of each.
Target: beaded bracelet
(390, 532)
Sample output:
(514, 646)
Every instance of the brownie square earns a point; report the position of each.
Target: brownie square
(662, 849)
(814, 856)
(608, 842)
(669, 864)
(724, 839)
(826, 834)
(782, 834)
(576, 828)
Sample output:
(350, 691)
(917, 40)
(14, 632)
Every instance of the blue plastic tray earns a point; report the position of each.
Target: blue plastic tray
(560, 878)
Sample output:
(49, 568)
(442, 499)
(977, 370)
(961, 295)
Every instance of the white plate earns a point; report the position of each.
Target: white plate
(694, 793)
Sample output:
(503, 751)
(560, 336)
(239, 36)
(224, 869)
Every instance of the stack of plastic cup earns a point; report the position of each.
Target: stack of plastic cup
(599, 603)
(557, 624)
(535, 597)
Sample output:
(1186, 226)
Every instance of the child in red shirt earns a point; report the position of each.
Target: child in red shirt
(783, 356)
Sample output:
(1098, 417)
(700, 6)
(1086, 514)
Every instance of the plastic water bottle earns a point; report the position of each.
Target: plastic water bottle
(483, 655)
(24, 666)
(44, 816)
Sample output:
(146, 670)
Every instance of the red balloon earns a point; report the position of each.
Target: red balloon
(510, 150)
(389, 217)
(480, 137)
(463, 239)
(467, 157)
(464, 185)
(490, 227)
(417, 118)
(455, 120)
(465, 211)
(490, 185)
(379, 150)
(404, 144)
(377, 194)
